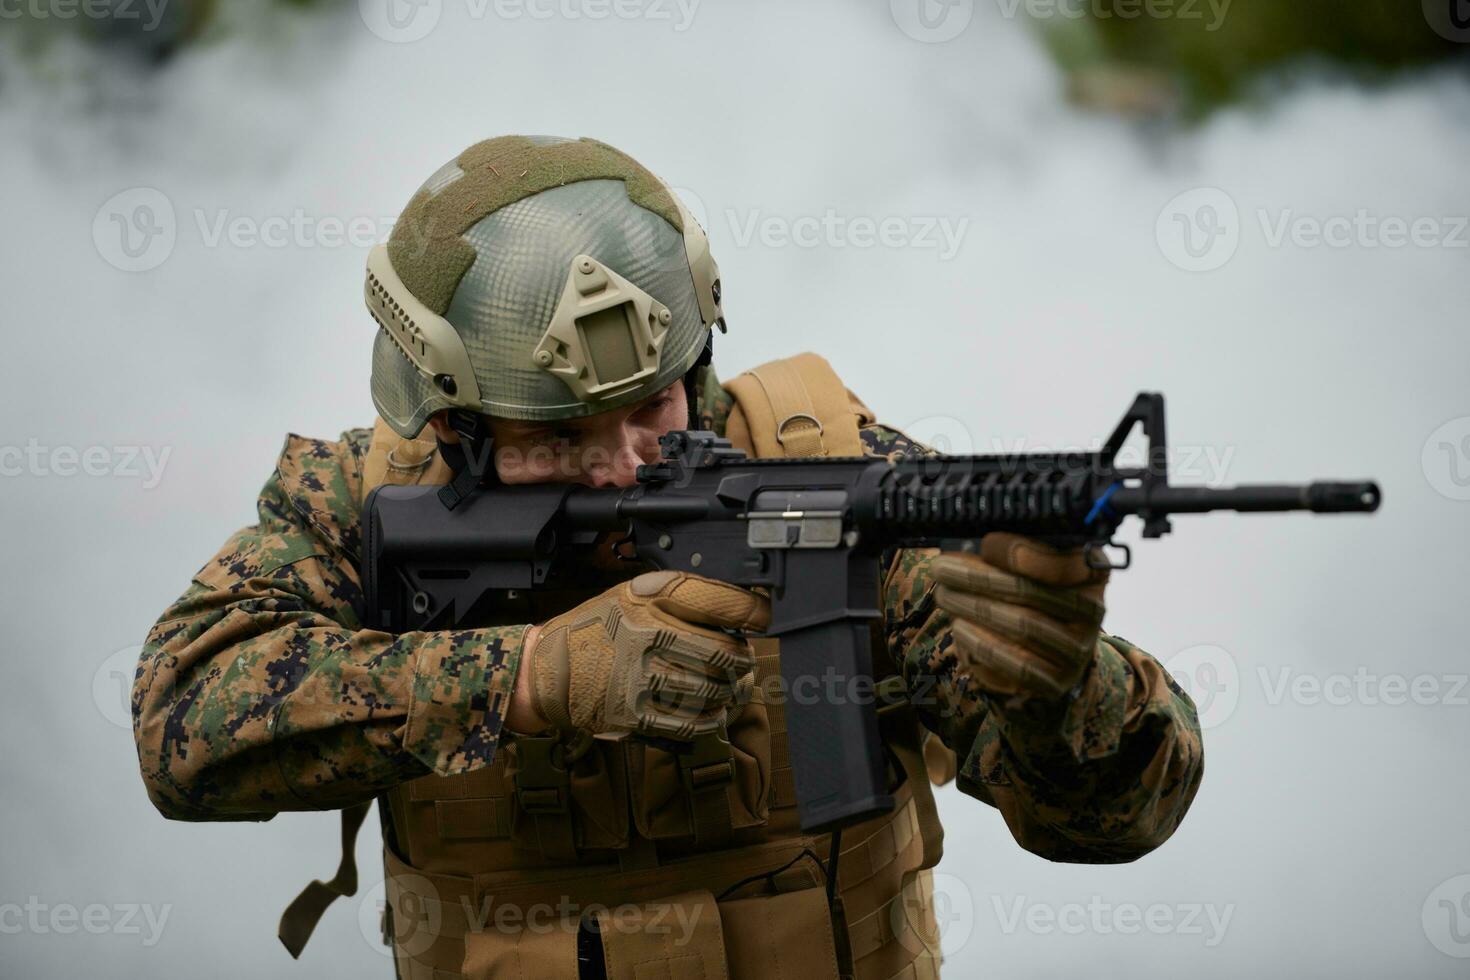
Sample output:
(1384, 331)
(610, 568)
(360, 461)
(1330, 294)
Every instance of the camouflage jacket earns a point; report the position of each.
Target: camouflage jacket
(260, 691)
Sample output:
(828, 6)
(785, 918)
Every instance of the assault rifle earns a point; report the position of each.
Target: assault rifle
(812, 531)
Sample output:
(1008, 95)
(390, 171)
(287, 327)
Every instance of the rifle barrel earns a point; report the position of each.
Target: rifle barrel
(1320, 498)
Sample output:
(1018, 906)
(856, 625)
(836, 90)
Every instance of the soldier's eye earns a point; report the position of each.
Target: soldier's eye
(558, 438)
(659, 404)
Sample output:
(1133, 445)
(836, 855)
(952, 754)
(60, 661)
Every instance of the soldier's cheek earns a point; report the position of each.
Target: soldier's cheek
(517, 464)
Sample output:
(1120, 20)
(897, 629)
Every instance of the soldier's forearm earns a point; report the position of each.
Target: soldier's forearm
(919, 643)
(249, 705)
(1108, 778)
(1104, 777)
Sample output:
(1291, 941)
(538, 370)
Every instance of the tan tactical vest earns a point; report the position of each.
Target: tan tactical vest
(693, 865)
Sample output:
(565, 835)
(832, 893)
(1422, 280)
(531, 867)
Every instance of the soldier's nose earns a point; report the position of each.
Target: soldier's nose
(622, 469)
(609, 472)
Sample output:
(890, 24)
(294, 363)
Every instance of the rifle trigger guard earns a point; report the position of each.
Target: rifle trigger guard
(619, 553)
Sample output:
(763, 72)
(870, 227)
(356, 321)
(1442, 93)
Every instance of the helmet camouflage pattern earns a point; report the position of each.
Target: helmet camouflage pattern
(537, 278)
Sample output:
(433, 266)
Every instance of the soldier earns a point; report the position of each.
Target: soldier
(546, 310)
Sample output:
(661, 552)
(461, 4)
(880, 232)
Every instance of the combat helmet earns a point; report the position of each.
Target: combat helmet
(537, 278)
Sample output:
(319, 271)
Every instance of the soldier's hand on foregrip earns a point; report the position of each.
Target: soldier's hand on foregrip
(1026, 616)
(648, 656)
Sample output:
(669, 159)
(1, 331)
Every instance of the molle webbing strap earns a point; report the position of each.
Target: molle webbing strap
(874, 852)
(783, 780)
(453, 907)
(471, 806)
(301, 916)
(707, 770)
(906, 919)
(545, 953)
(544, 793)
(785, 936)
(637, 946)
(903, 739)
(796, 407)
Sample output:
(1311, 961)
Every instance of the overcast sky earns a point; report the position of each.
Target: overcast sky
(982, 263)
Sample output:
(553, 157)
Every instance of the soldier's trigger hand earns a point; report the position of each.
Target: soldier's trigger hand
(651, 655)
(1026, 616)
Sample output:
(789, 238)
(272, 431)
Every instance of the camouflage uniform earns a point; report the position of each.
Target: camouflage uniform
(259, 691)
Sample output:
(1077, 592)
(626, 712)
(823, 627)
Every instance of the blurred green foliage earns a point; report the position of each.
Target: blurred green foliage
(151, 29)
(1210, 52)
(1142, 57)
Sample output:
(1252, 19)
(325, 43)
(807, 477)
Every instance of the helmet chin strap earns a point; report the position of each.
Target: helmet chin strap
(471, 459)
(691, 378)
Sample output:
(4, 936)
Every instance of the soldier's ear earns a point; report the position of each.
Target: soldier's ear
(439, 422)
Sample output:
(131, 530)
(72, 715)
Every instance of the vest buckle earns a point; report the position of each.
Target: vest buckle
(543, 784)
(707, 763)
(891, 694)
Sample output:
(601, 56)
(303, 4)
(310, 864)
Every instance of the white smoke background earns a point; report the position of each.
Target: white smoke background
(1321, 830)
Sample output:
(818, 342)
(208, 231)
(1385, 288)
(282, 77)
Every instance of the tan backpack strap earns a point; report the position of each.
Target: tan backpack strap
(940, 760)
(795, 407)
(301, 916)
(396, 461)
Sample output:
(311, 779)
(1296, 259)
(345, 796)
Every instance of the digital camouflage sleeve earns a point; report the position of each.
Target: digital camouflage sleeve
(259, 691)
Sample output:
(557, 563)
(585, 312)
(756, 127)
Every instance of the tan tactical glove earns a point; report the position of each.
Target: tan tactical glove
(648, 656)
(1026, 616)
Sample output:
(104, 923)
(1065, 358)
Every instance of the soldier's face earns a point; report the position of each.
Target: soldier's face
(602, 450)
